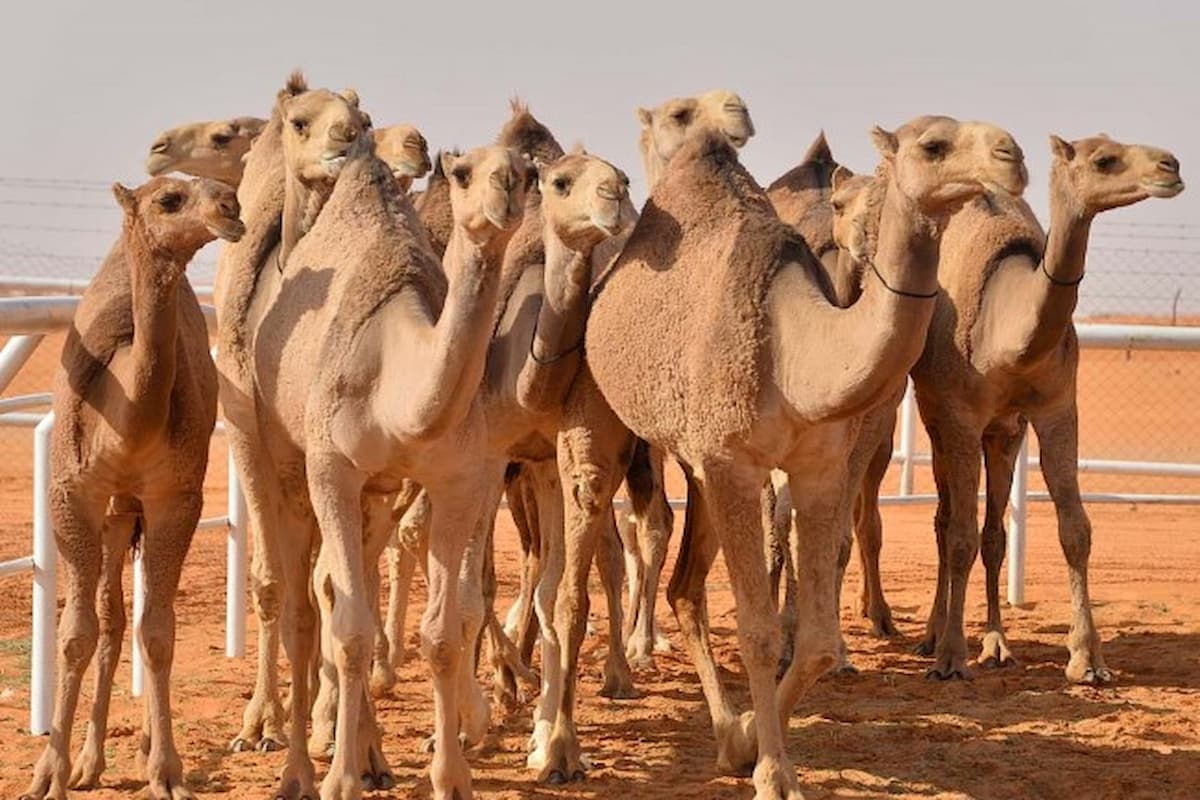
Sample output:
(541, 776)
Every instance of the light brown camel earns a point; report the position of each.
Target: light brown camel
(404, 149)
(215, 149)
(1002, 353)
(718, 297)
(369, 360)
(433, 206)
(651, 520)
(135, 400)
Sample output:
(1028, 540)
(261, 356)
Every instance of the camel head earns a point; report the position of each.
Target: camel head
(940, 163)
(666, 127)
(177, 217)
(405, 151)
(526, 134)
(1101, 173)
(851, 213)
(487, 191)
(585, 200)
(321, 130)
(214, 149)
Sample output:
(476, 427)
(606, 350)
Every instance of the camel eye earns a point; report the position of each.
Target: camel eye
(299, 125)
(683, 116)
(562, 185)
(625, 180)
(935, 148)
(838, 206)
(1105, 163)
(462, 176)
(221, 139)
(170, 202)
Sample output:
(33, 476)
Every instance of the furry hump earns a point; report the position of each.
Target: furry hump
(686, 301)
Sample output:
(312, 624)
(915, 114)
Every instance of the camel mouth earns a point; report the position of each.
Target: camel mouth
(1163, 188)
(737, 139)
(406, 170)
(157, 164)
(333, 163)
(231, 230)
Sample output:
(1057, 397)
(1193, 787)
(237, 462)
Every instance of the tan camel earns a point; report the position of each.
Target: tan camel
(215, 149)
(1002, 353)
(747, 385)
(135, 401)
(404, 149)
(371, 380)
(433, 206)
(651, 520)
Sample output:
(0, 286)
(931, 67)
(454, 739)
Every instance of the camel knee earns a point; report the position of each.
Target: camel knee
(267, 597)
(993, 544)
(961, 550)
(1075, 536)
(587, 492)
(77, 642)
(158, 637)
(441, 647)
(760, 645)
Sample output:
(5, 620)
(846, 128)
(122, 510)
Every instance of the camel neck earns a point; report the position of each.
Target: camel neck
(556, 349)
(1055, 287)
(302, 204)
(154, 277)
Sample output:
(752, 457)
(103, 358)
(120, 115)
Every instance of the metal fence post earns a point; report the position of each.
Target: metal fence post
(235, 573)
(16, 352)
(1018, 505)
(908, 439)
(45, 569)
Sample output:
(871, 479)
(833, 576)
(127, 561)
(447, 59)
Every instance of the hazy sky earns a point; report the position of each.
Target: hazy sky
(89, 84)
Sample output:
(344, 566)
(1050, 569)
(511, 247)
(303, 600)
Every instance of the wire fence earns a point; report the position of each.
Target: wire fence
(1133, 406)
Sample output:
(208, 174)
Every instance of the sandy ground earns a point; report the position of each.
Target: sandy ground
(1022, 732)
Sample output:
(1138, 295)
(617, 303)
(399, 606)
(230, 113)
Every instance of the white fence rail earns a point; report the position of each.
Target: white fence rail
(27, 319)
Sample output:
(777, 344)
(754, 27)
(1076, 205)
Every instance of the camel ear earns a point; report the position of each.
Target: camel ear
(350, 96)
(645, 116)
(1061, 148)
(532, 174)
(124, 197)
(885, 142)
(840, 176)
(818, 151)
(446, 160)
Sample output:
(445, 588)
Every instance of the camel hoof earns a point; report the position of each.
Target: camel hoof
(948, 674)
(846, 669)
(884, 628)
(242, 745)
(556, 778)
(382, 782)
(619, 690)
(1098, 676)
(994, 662)
(269, 744)
(429, 744)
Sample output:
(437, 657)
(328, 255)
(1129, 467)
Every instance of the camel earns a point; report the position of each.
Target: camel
(360, 296)
(746, 385)
(135, 400)
(405, 150)
(651, 521)
(214, 149)
(1002, 354)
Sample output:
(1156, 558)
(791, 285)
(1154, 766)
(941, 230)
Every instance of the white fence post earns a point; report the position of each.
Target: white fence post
(139, 608)
(1018, 505)
(235, 572)
(45, 591)
(16, 352)
(908, 439)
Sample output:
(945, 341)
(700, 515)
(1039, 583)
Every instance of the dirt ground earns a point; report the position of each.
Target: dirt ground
(1021, 732)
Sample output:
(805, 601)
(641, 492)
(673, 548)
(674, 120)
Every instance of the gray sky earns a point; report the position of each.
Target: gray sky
(90, 84)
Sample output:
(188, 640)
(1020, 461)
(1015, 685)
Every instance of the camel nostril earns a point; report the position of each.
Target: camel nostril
(160, 146)
(1005, 152)
(1169, 164)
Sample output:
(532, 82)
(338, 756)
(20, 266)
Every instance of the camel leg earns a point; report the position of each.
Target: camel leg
(515, 489)
(1000, 447)
(777, 523)
(457, 511)
(378, 529)
(957, 455)
(118, 533)
(1058, 439)
(868, 532)
(543, 484)
(821, 499)
(335, 489)
(655, 522)
(262, 719)
(77, 526)
(941, 517)
(474, 708)
(401, 565)
(687, 594)
(732, 500)
(618, 677)
(170, 524)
